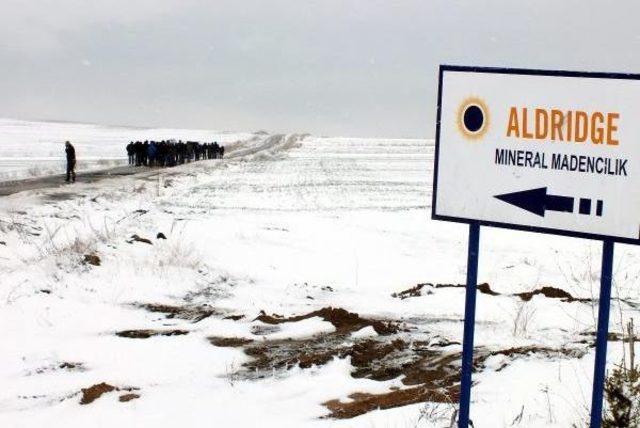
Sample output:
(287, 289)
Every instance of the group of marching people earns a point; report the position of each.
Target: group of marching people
(171, 153)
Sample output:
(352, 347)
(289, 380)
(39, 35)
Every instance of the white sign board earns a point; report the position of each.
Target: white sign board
(548, 151)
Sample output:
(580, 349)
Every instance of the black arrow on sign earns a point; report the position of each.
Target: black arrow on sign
(537, 201)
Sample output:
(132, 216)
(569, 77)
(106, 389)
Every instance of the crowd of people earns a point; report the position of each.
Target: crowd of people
(171, 153)
(155, 153)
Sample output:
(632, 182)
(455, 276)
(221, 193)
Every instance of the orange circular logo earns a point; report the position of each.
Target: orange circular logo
(473, 118)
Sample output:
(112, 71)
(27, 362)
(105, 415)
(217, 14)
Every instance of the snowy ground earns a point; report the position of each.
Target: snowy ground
(287, 226)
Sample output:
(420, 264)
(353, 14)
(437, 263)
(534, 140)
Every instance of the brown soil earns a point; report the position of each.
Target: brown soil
(91, 259)
(411, 292)
(67, 366)
(611, 337)
(233, 317)
(229, 342)
(371, 358)
(542, 352)
(136, 238)
(128, 397)
(436, 369)
(362, 403)
(434, 377)
(484, 288)
(429, 369)
(550, 292)
(72, 366)
(91, 394)
(342, 320)
(145, 334)
(193, 313)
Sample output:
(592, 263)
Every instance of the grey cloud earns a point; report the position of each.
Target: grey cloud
(348, 67)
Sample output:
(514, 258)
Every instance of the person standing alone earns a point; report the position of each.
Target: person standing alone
(71, 161)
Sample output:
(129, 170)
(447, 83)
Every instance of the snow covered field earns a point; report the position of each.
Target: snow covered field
(227, 322)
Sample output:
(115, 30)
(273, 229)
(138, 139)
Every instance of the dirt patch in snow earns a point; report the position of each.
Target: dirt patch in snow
(66, 366)
(525, 351)
(344, 321)
(424, 289)
(429, 373)
(378, 359)
(611, 337)
(72, 366)
(412, 292)
(136, 238)
(91, 259)
(429, 370)
(128, 397)
(92, 393)
(552, 293)
(189, 312)
(229, 342)
(484, 288)
(145, 334)
(233, 317)
(434, 376)
(361, 403)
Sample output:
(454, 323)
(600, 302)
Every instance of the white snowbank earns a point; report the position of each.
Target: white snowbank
(301, 329)
(364, 333)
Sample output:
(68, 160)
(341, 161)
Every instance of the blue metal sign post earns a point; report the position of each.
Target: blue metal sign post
(600, 365)
(599, 371)
(469, 324)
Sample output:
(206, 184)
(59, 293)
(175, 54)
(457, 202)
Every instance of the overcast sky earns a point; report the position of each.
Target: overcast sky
(331, 67)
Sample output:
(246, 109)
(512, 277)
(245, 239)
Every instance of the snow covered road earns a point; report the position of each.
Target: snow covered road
(34, 149)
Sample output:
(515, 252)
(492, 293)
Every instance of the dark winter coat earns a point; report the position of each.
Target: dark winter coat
(70, 152)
